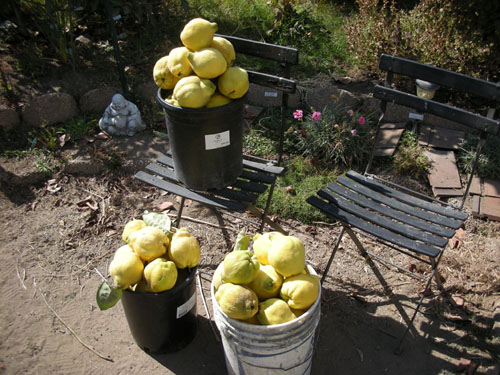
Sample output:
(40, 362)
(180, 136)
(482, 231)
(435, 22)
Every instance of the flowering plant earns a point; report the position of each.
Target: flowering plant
(338, 137)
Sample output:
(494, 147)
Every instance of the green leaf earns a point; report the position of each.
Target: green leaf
(242, 241)
(159, 220)
(107, 296)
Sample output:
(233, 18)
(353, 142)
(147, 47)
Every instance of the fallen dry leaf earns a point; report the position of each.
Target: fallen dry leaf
(458, 239)
(111, 233)
(102, 135)
(83, 202)
(52, 186)
(164, 206)
(187, 202)
(457, 301)
(311, 230)
(61, 141)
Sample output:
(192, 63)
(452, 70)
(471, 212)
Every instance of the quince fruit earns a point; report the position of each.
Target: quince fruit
(233, 83)
(267, 283)
(207, 63)
(162, 75)
(218, 100)
(193, 92)
(262, 244)
(184, 249)
(172, 101)
(149, 243)
(126, 267)
(300, 291)
(274, 311)
(178, 63)
(225, 47)
(217, 277)
(240, 267)
(287, 255)
(198, 33)
(237, 301)
(130, 227)
(160, 275)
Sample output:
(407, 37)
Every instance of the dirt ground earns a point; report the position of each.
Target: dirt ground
(55, 236)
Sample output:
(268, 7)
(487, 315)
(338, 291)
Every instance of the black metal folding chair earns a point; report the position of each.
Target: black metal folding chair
(259, 175)
(403, 220)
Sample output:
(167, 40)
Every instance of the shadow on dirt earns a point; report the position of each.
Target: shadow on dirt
(17, 194)
(204, 355)
(353, 340)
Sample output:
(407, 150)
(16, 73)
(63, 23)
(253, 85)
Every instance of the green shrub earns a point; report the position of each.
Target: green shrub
(301, 180)
(338, 138)
(409, 158)
(452, 34)
(489, 160)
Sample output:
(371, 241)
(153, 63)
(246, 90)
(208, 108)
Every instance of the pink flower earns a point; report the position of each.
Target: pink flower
(354, 132)
(361, 120)
(350, 112)
(316, 116)
(298, 114)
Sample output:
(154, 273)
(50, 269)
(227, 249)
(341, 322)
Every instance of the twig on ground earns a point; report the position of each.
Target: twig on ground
(73, 332)
(90, 192)
(327, 224)
(100, 274)
(21, 279)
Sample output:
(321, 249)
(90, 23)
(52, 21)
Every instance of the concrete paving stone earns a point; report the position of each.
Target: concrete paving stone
(443, 171)
(475, 187)
(439, 137)
(388, 138)
(491, 187)
(490, 207)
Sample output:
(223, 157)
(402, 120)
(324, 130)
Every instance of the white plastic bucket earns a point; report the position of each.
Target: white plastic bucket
(285, 348)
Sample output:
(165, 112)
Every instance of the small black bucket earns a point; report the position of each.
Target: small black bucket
(163, 322)
(206, 143)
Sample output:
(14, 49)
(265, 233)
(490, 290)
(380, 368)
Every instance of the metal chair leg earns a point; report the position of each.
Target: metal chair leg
(436, 276)
(334, 251)
(179, 212)
(388, 290)
(424, 293)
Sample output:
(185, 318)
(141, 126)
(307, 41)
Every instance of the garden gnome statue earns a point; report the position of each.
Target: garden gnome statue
(121, 117)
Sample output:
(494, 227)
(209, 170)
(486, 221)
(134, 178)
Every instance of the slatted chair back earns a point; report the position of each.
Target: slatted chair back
(481, 124)
(286, 57)
(409, 222)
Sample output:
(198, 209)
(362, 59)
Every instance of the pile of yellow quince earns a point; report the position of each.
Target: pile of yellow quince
(267, 285)
(149, 260)
(200, 73)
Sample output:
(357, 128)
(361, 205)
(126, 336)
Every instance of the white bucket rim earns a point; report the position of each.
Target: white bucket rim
(266, 328)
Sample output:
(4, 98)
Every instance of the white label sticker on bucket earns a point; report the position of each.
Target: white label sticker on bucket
(219, 140)
(186, 307)
(272, 94)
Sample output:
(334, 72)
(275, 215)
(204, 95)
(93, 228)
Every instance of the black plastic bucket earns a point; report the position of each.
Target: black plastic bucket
(206, 143)
(163, 322)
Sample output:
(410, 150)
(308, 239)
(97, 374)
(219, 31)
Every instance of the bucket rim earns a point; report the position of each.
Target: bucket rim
(241, 324)
(190, 276)
(159, 98)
